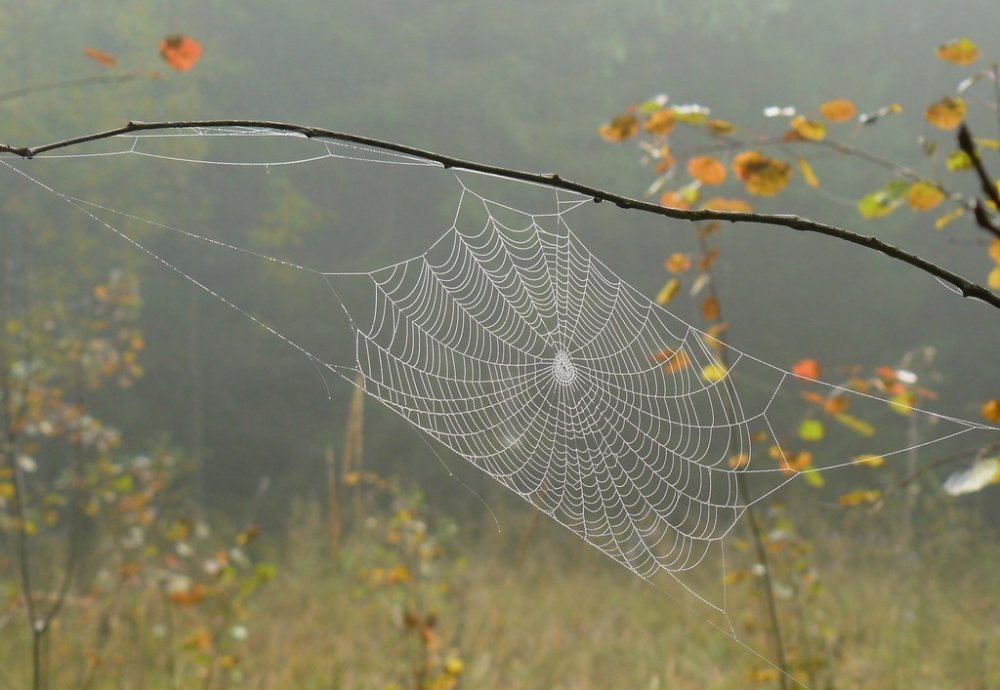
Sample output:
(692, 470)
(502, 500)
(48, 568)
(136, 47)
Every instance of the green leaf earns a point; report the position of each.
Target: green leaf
(811, 430)
(876, 205)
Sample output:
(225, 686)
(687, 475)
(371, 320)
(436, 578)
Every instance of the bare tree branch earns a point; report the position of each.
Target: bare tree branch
(966, 287)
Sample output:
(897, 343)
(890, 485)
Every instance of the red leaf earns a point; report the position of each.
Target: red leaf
(180, 52)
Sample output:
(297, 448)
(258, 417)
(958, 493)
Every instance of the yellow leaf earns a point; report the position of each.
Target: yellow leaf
(947, 113)
(620, 128)
(808, 174)
(958, 160)
(808, 129)
(763, 176)
(902, 403)
(668, 291)
(994, 250)
(960, 51)
(859, 497)
(923, 196)
(993, 280)
(677, 263)
(713, 372)
(991, 411)
(707, 170)
(838, 110)
(992, 144)
(948, 218)
(814, 478)
(869, 460)
(811, 430)
(660, 122)
(858, 425)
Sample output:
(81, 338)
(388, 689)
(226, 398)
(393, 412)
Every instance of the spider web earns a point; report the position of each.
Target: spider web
(514, 346)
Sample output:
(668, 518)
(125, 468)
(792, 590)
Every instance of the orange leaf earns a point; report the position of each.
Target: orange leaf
(710, 308)
(961, 51)
(763, 176)
(180, 52)
(835, 404)
(991, 411)
(739, 460)
(807, 368)
(923, 196)
(706, 170)
(946, 113)
(672, 360)
(100, 56)
(673, 200)
(808, 129)
(661, 122)
(677, 263)
(838, 110)
(707, 259)
(719, 203)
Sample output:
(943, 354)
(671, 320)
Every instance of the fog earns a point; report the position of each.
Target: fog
(522, 85)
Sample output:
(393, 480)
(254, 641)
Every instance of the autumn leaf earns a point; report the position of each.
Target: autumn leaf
(100, 56)
(960, 51)
(619, 129)
(739, 461)
(947, 113)
(811, 430)
(710, 308)
(763, 176)
(180, 52)
(859, 426)
(957, 161)
(808, 174)
(807, 368)
(923, 196)
(993, 280)
(948, 218)
(707, 259)
(719, 203)
(677, 263)
(838, 110)
(859, 497)
(991, 411)
(674, 200)
(877, 204)
(660, 122)
(869, 460)
(808, 129)
(713, 373)
(707, 170)
(672, 360)
(189, 596)
(719, 126)
(668, 291)
(994, 250)
(992, 144)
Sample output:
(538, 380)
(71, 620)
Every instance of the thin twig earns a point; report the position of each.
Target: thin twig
(966, 287)
(983, 219)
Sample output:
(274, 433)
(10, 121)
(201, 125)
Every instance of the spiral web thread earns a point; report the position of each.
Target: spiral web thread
(512, 345)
